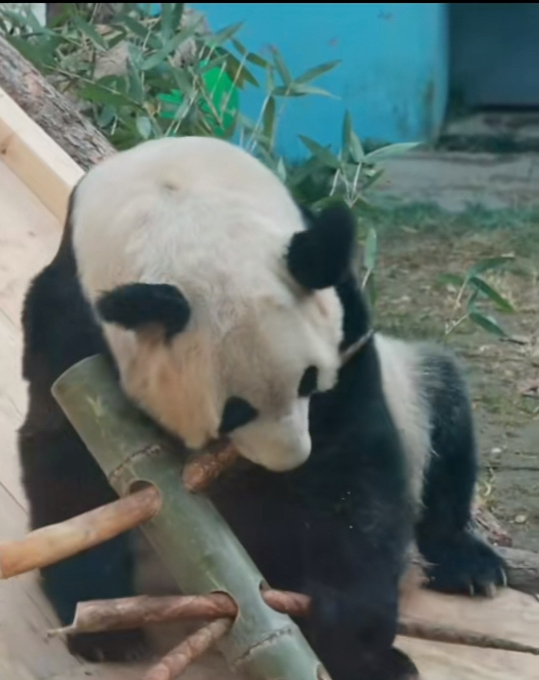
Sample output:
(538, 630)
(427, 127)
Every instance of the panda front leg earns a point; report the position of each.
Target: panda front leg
(62, 480)
(458, 560)
(353, 568)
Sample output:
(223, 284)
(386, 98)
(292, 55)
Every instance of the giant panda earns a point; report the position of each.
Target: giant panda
(229, 310)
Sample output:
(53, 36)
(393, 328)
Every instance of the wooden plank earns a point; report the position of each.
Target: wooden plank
(510, 615)
(29, 235)
(32, 155)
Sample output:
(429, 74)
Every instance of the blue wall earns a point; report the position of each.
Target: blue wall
(393, 71)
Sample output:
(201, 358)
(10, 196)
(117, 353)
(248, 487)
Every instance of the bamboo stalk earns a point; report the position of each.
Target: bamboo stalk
(58, 541)
(195, 543)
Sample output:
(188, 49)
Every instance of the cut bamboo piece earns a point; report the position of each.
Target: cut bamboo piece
(58, 541)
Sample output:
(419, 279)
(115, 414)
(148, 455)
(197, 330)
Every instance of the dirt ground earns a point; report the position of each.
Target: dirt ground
(416, 245)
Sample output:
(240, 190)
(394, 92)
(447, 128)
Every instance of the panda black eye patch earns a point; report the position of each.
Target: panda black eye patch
(309, 382)
(237, 412)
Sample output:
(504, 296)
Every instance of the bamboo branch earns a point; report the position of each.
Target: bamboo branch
(135, 612)
(176, 661)
(58, 541)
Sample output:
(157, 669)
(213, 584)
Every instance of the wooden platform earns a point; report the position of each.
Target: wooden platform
(35, 178)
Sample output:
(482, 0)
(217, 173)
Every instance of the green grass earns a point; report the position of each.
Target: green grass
(520, 224)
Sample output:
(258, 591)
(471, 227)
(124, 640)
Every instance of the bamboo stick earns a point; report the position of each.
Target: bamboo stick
(191, 649)
(135, 612)
(58, 541)
(199, 473)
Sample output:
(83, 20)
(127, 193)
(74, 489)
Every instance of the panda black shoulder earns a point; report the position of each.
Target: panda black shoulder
(59, 328)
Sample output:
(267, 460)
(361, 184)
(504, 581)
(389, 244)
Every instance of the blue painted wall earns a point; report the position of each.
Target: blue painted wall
(393, 72)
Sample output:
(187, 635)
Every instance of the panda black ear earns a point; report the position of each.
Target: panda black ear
(136, 305)
(320, 256)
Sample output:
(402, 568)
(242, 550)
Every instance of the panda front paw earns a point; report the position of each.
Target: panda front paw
(115, 646)
(463, 564)
(392, 665)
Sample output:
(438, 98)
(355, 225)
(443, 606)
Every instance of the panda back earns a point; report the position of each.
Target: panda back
(402, 379)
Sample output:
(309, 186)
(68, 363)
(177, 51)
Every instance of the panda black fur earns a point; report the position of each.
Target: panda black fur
(393, 456)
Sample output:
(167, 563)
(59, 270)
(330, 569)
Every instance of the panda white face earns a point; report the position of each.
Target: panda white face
(215, 302)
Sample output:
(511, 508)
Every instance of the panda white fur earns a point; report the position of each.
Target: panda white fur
(226, 309)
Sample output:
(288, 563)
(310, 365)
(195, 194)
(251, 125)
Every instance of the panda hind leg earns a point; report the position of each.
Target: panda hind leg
(458, 560)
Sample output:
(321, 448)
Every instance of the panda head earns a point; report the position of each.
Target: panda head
(218, 306)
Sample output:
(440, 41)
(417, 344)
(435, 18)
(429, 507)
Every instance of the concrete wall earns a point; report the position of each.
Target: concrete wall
(495, 53)
(393, 71)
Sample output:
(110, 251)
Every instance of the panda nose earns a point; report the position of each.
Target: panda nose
(277, 445)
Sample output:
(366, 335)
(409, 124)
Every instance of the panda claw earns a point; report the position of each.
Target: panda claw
(490, 590)
(464, 564)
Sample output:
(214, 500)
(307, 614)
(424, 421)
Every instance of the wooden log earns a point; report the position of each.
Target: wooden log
(522, 568)
(58, 541)
(489, 528)
(72, 131)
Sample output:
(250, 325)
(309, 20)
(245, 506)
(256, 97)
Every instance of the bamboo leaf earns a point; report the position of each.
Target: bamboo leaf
(99, 95)
(500, 302)
(168, 48)
(316, 72)
(489, 263)
(144, 126)
(389, 151)
(239, 73)
(451, 279)
(138, 29)
(281, 170)
(106, 115)
(222, 36)
(171, 16)
(488, 323)
(90, 32)
(268, 119)
(281, 67)
(320, 152)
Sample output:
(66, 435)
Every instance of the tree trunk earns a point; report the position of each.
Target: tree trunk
(50, 109)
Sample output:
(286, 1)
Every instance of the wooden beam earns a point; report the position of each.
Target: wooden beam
(35, 158)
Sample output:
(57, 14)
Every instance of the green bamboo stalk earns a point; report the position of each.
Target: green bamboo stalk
(199, 548)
